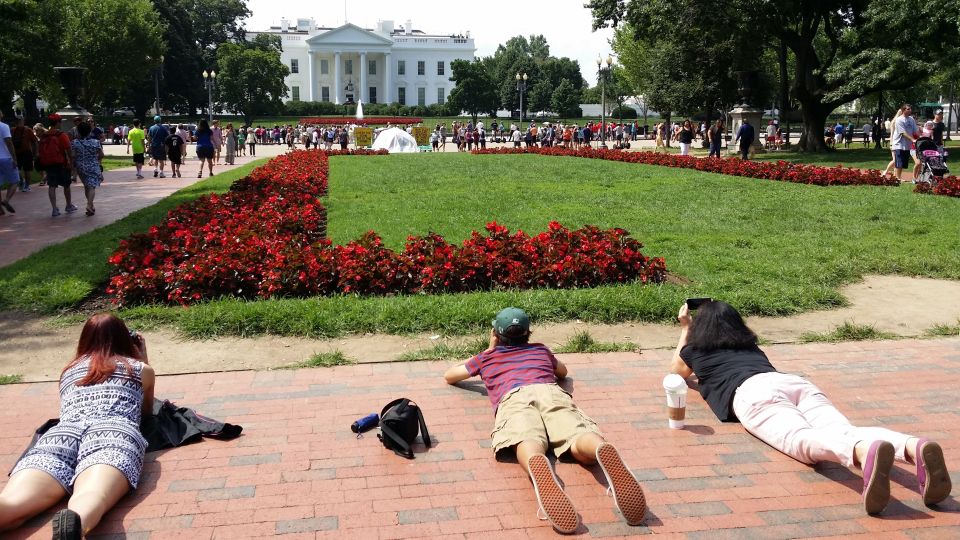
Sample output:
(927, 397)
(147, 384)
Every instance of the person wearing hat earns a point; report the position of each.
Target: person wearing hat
(157, 135)
(533, 414)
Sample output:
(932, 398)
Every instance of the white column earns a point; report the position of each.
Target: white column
(336, 78)
(363, 78)
(387, 82)
(313, 82)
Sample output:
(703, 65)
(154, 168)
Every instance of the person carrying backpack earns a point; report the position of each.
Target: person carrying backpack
(55, 159)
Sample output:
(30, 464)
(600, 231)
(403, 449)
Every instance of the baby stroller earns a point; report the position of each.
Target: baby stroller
(930, 155)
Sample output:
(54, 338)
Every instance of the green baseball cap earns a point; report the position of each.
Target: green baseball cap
(510, 317)
(156, 118)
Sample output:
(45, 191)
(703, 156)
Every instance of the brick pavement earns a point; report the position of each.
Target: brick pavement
(299, 472)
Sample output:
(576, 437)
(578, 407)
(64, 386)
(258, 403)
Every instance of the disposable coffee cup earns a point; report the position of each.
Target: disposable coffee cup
(676, 389)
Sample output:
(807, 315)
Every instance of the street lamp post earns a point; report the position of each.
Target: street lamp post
(521, 88)
(210, 81)
(602, 73)
(157, 75)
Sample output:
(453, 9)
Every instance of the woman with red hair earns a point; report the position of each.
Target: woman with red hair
(95, 454)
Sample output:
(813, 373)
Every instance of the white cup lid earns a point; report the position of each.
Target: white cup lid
(674, 382)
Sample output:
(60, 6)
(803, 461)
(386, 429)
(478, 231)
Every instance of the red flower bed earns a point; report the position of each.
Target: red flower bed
(266, 237)
(949, 186)
(779, 170)
(372, 121)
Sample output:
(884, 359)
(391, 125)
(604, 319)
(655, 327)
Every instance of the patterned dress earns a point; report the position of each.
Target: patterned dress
(85, 160)
(99, 424)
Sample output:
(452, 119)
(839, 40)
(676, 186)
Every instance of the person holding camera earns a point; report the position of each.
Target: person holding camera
(95, 454)
(791, 414)
(533, 414)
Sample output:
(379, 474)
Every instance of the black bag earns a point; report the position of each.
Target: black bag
(400, 421)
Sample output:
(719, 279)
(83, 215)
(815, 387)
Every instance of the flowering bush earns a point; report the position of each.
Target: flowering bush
(266, 237)
(779, 170)
(373, 121)
(948, 186)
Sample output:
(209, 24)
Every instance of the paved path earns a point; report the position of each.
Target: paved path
(299, 471)
(31, 228)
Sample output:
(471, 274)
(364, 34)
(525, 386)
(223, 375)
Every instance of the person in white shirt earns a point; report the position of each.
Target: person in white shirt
(867, 129)
(9, 171)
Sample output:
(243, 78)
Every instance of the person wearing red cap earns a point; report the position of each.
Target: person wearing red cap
(55, 159)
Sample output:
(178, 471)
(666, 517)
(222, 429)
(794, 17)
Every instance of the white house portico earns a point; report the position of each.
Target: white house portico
(385, 65)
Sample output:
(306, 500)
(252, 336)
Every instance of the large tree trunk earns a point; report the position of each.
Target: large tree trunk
(31, 115)
(784, 89)
(814, 120)
(667, 129)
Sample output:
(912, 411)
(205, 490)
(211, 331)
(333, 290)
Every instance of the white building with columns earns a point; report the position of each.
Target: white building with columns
(382, 65)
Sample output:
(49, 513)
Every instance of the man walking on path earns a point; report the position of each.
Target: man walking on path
(25, 143)
(158, 151)
(534, 413)
(903, 137)
(136, 138)
(55, 159)
(745, 136)
(9, 177)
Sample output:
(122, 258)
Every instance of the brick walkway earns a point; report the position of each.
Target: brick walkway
(299, 471)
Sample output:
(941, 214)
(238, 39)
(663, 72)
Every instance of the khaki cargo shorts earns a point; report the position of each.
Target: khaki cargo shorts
(539, 412)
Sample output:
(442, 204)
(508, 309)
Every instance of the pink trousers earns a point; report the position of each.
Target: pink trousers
(792, 415)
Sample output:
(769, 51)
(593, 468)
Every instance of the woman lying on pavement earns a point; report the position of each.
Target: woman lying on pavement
(791, 414)
(95, 454)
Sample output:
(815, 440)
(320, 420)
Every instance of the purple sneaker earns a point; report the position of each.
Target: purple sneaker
(932, 476)
(876, 476)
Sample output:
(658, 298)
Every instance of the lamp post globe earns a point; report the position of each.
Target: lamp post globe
(209, 81)
(521, 88)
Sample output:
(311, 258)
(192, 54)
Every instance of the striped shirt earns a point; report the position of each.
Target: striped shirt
(506, 368)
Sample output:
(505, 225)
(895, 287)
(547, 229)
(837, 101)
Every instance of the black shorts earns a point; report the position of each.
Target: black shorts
(158, 153)
(205, 152)
(175, 157)
(25, 161)
(138, 159)
(58, 176)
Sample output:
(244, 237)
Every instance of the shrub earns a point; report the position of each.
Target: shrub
(623, 112)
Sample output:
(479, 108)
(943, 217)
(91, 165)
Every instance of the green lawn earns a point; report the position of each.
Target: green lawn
(63, 275)
(767, 247)
(116, 162)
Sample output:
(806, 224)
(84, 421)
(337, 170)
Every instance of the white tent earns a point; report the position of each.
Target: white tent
(395, 140)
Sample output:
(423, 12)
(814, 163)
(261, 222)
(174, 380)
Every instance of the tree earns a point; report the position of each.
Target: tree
(112, 39)
(250, 76)
(475, 91)
(840, 50)
(28, 28)
(545, 72)
(566, 100)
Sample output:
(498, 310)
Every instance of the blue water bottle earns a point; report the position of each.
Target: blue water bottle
(366, 423)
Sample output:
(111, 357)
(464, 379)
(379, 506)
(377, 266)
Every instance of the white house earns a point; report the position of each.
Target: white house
(383, 65)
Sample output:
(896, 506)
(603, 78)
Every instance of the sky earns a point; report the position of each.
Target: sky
(565, 23)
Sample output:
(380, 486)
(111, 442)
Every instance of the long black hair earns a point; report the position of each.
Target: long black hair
(717, 325)
(203, 126)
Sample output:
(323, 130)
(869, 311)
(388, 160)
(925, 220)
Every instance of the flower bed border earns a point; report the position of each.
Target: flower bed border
(948, 186)
(780, 171)
(266, 237)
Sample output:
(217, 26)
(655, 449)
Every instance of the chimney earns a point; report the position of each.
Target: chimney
(408, 29)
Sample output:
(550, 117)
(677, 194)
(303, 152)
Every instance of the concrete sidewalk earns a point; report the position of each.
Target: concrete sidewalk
(32, 228)
(298, 471)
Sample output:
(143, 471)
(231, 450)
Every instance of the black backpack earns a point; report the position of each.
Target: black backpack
(400, 421)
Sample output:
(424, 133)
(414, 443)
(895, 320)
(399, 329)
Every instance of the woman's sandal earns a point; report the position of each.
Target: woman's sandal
(91, 211)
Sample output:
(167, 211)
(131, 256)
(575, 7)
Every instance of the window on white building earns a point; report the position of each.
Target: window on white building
(348, 67)
(421, 68)
(402, 95)
(325, 93)
(441, 95)
(372, 68)
(294, 66)
(401, 67)
(373, 94)
(295, 93)
(324, 67)
(421, 96)
(440, 67)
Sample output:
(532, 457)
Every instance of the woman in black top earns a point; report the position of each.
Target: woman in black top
(685, 137)
(791, 414)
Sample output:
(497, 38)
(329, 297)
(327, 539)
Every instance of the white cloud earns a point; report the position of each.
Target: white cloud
(565, 23)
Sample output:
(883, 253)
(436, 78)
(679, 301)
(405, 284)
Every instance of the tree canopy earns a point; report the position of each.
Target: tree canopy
(250, 76)
(475, 92)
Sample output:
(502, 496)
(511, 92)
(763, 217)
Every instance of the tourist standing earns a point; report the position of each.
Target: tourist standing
(184, 134)
(745, 136)
(867, 128)
(938, 128)
(242, 141)
(25, 143)
(158, 134)
(252, 141)
(9, 177)
(87, 157)
(217, 142)
(136, 139)
(205, 149)
(685, 137)
(715, 138)
(55, 160)
(230, 139)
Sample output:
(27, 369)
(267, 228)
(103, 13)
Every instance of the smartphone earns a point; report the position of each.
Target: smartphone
(695, 303)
